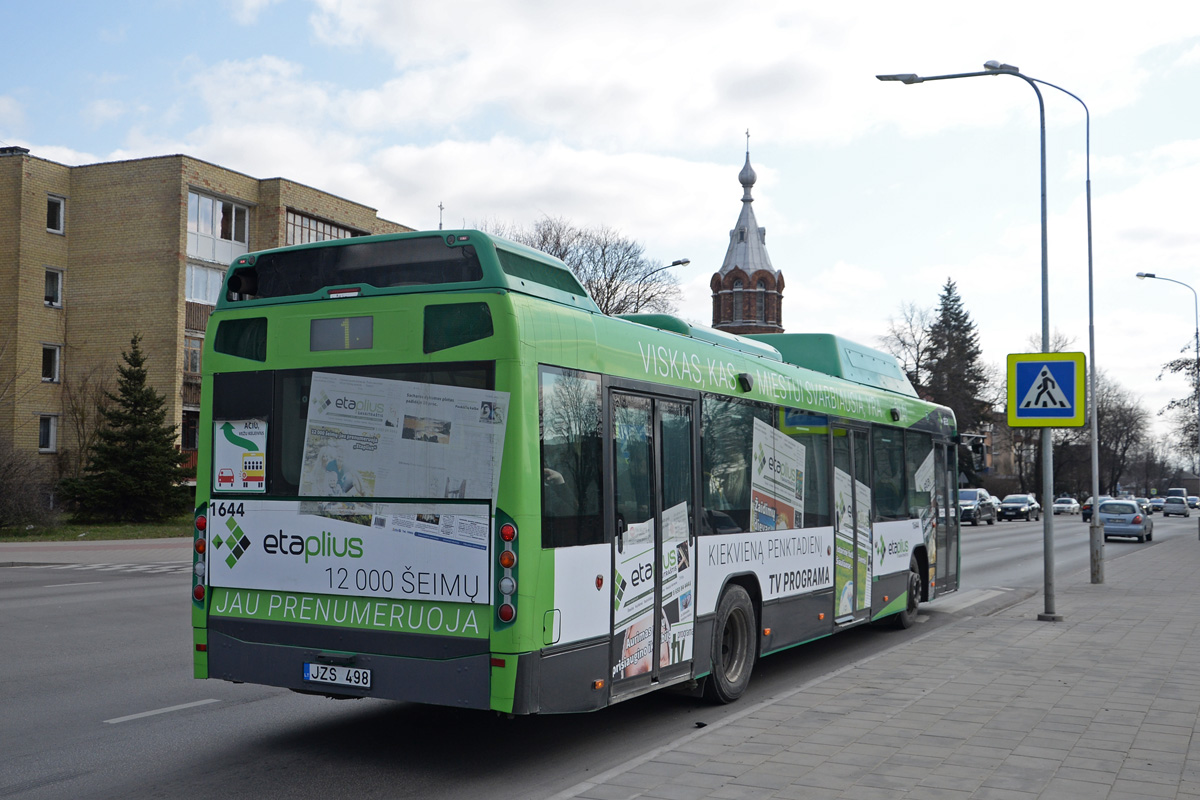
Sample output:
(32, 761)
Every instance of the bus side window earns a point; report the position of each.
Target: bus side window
(887, 474)
(919, 469)
(728, 434)
(571, 447)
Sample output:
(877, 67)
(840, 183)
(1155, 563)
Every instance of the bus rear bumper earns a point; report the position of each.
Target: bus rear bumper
(463, 682)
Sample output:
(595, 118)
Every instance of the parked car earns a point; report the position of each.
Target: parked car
(1144, 502)
(1193, 501)
(1176, 506)
(1020, 506)
(1086, 508)
(975, 505)
(1066, 505)
(1125, 518)
(1156, 503)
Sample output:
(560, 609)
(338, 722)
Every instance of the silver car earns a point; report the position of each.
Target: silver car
(1126, 518)
(1176, 506)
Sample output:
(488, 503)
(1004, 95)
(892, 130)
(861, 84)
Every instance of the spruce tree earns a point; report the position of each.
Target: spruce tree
(956, 376)
(134, 471)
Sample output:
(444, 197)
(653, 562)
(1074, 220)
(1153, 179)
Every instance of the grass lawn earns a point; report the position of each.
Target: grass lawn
(67, 531)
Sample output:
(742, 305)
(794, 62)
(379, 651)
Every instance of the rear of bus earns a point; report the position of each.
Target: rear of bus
(363, 395)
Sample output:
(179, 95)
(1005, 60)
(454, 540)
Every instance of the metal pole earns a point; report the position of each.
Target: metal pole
(1049, 615)
(995, 68)
(1196, 305)
(1196, 381)
(1095, 528)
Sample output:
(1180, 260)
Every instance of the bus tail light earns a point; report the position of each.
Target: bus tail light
(506, 612)
(201, 522)
(198, 592)
(508, 531)
(201, 546)
(508, 559)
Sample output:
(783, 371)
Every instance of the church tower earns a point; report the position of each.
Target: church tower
(747, 291)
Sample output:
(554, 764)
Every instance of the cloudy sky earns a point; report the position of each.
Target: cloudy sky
(634, 115)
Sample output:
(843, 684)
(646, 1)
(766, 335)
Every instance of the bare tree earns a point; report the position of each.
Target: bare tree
(22, 474)
(1059, 342)
(85, 398)
(908, 340)
(613, 268)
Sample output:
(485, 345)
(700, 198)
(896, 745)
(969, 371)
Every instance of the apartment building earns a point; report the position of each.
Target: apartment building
(91, 255)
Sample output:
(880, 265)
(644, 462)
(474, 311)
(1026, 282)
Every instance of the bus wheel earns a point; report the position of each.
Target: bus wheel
(908, 616)
(733, 646)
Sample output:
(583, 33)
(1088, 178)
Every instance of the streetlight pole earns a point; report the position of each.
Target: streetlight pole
(996, 68)
(679, 262)
(1196, 307)
(1096, 527)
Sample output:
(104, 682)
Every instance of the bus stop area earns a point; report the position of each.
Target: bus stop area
(998, 705)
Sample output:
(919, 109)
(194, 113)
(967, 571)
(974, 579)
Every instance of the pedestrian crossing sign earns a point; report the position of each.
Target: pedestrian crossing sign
(1046, 390)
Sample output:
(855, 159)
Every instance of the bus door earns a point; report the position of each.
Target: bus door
(651, 463)
(851, 525)
(946, 493)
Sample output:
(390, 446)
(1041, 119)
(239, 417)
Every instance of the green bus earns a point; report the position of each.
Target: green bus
(431, 470)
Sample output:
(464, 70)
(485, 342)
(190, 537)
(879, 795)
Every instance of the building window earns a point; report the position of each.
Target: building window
(741, 235)
(50, 358)
(203, 284)
(47, 434)
(737, 301)
(302, 229)
(188, 432)
(761, 302)
(192, 347)
(54, 284)
(217, 229)
(56, 214)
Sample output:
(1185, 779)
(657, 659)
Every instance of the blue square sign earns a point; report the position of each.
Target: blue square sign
(1046, 390)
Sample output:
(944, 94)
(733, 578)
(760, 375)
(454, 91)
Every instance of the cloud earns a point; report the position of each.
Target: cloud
(12, 113)
(246, 12)
(99, 112)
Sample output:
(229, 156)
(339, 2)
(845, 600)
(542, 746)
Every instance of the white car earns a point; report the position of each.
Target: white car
(1066, 505)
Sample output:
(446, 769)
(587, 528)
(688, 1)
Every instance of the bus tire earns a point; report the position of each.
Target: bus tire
(733, 646)
(906, 618)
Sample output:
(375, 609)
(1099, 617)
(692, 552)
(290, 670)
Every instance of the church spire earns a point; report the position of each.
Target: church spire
(747, 290)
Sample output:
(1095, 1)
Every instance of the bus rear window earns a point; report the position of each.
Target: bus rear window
(422, 261)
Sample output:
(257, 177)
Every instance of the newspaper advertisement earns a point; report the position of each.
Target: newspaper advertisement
(369, 437)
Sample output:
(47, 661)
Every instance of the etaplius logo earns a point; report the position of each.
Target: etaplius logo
(237, 542)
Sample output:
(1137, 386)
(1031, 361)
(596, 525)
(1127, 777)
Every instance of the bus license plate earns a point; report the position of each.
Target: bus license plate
(342, 676)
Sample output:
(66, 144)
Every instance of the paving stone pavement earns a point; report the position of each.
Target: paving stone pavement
(1103, 704)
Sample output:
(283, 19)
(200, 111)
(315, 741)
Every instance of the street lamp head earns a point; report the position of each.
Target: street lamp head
(1143, 275)
(905, 77)
(996, 66)
(683, 262)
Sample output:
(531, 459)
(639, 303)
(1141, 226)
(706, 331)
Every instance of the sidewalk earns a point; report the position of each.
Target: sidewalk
(1101, 705)
(128, 551)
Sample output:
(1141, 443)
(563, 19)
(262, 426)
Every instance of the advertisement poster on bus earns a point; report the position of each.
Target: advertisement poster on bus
(678, 587)
(368, 437)
(633, 597)
(239, 456)
(409, 551)
(843, 544)
(862, 526)
(776, 480)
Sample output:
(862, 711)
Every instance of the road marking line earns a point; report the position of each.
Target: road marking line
(162, 711)
(82, 583)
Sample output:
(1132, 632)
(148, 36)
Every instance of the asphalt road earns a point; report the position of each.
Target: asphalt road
(98, 699)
